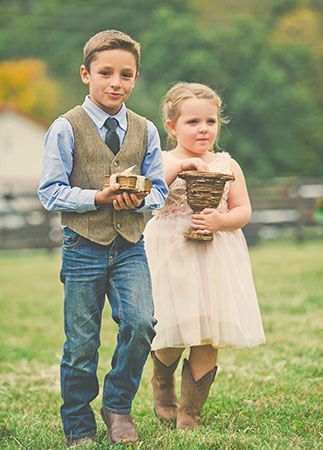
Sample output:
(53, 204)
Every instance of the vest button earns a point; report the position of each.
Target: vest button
(118, 226)
(115, 163)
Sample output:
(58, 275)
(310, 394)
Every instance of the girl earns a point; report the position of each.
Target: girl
(203, 291)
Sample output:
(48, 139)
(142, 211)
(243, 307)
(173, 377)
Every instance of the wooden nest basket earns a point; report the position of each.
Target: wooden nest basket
(130, 183)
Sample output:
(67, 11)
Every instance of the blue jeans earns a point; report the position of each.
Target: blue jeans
(90, 272)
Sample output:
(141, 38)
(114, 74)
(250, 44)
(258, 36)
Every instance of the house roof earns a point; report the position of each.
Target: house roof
(10, 108)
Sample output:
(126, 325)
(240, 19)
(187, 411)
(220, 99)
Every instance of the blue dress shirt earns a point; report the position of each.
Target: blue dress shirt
(55, 191)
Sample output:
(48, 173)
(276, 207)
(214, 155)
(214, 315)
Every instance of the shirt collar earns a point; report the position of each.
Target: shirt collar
(99, 116)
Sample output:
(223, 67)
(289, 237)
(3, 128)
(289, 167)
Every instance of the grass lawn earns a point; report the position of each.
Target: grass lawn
(268, 397)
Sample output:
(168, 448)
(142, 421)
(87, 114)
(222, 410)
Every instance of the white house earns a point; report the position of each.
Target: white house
(21, 148)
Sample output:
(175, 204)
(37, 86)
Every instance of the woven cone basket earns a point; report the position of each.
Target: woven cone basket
(204, 190)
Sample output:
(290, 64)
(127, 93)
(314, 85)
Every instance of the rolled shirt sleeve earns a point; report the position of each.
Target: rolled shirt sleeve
(55, 191)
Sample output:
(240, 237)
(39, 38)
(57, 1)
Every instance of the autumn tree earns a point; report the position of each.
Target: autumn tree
(26, 84)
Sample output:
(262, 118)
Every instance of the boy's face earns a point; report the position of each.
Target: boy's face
(112, 77)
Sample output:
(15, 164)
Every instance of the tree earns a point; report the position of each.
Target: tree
(26, 84)
(264, 58)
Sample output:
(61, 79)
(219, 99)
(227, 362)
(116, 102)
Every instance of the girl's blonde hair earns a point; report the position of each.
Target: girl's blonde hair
(182, 91)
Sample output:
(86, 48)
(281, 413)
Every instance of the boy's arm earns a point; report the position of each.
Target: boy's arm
(152, 167)
(55, 191)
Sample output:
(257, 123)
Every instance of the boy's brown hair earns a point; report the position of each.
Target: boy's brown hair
(110, 40)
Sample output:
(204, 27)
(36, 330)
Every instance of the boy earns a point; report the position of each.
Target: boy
(103, 252)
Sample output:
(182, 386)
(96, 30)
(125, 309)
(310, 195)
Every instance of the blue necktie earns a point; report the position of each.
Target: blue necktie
(111, 137)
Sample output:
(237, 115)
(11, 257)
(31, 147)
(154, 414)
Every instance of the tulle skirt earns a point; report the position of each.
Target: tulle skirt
(203, 291)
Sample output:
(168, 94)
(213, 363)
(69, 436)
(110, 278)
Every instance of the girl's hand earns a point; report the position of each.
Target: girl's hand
(208, 221)
(173, 167)
(194, 164)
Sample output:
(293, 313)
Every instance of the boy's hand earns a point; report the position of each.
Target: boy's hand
(129, 200)
(107, 195)
(208, 221)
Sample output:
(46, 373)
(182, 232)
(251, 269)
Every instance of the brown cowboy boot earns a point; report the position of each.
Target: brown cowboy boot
(193, 397)
(121, 427)
(163, 381)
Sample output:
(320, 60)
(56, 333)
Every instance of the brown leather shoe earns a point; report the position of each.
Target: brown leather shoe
(80, 441)
(121, 427)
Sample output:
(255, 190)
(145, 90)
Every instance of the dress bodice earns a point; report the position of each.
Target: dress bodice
(176, 202)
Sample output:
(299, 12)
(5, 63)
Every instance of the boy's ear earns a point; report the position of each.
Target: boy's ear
(171, 127)
(85, 76)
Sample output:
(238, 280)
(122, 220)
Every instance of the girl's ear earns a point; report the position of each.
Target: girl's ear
(85, 76)
(171, 127)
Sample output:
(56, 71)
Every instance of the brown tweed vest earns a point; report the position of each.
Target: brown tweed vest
(92, 160)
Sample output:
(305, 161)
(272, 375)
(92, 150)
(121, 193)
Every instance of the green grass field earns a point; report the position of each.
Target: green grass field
(268, 397)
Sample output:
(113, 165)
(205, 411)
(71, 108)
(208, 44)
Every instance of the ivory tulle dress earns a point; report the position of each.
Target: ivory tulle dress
(203, 291)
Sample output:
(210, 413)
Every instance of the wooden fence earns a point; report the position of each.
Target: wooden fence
(281, 204)
(24, 223)
(277, 205)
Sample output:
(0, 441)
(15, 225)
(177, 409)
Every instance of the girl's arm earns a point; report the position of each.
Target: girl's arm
(239, 214)
(173, 166)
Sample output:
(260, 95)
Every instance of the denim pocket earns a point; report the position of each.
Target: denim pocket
(70, 238)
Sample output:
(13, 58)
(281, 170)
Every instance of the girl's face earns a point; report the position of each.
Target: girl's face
(196, 128)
